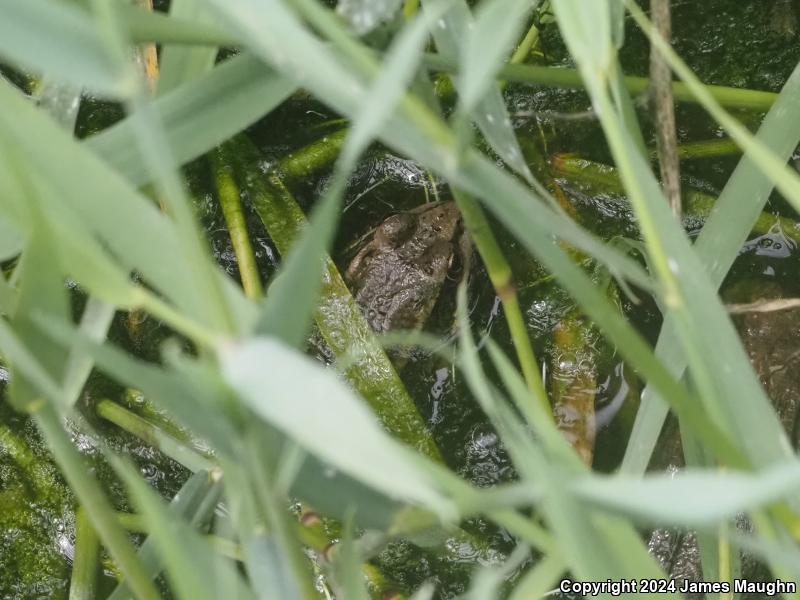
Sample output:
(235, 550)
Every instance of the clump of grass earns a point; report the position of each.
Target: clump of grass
(279, 426)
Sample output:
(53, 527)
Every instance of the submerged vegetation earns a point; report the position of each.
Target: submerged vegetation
(398, 299)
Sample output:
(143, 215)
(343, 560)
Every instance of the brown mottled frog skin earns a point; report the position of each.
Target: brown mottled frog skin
(783, 18)
(772, 341)
(397, 276)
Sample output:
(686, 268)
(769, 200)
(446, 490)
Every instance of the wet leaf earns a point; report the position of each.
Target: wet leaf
(295, 387)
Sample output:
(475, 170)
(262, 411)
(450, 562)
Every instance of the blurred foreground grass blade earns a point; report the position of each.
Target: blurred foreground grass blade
(487, 45)
(110, 208)
(8, 297)
(728, 226)
(187, 504)
(212, 307)
(11, 240)
(181, 63)
(199, 114)
(366, 15)
(40, 291)
(60, 40)
(489, 111)
(347, 566)
(91, 496)
(62, 103)
(194, 570)
(692, 498)
(275, 561)
(315, 408)
(540, 578)
(143, 26)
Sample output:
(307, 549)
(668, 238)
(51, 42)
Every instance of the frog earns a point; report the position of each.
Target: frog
(398, 275)
(783, 19)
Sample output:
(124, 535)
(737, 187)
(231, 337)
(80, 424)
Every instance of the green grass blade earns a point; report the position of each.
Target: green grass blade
(11, 240)
(145, 26)
(187, 504)
(718, 244)
(99, 509)
(83, 580)
(276, 398)
(41, 291)
(179, 64)
(199, 114)
(541, 578)
(692, 498)
(719, 366)
(487, 45)
(490, 114)
(102, 207)
(193, 569)
(60, 41)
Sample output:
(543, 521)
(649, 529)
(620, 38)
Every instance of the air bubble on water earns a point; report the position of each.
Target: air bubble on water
(490, 117)
(441, 24)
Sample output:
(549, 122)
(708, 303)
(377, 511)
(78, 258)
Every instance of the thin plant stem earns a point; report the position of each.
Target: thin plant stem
(142, 30)
(228, 195)
(85, 565)
(502, 279)
(571, 79)
(664, 108)
(526, 46)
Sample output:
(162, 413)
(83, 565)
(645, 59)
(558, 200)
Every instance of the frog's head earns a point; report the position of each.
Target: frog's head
(440, 221)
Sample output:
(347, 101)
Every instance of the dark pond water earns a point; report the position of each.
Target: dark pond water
(730, 42)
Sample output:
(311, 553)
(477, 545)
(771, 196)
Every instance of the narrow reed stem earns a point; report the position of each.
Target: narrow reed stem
(502, 279)
(228, 195)
(85, 566)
